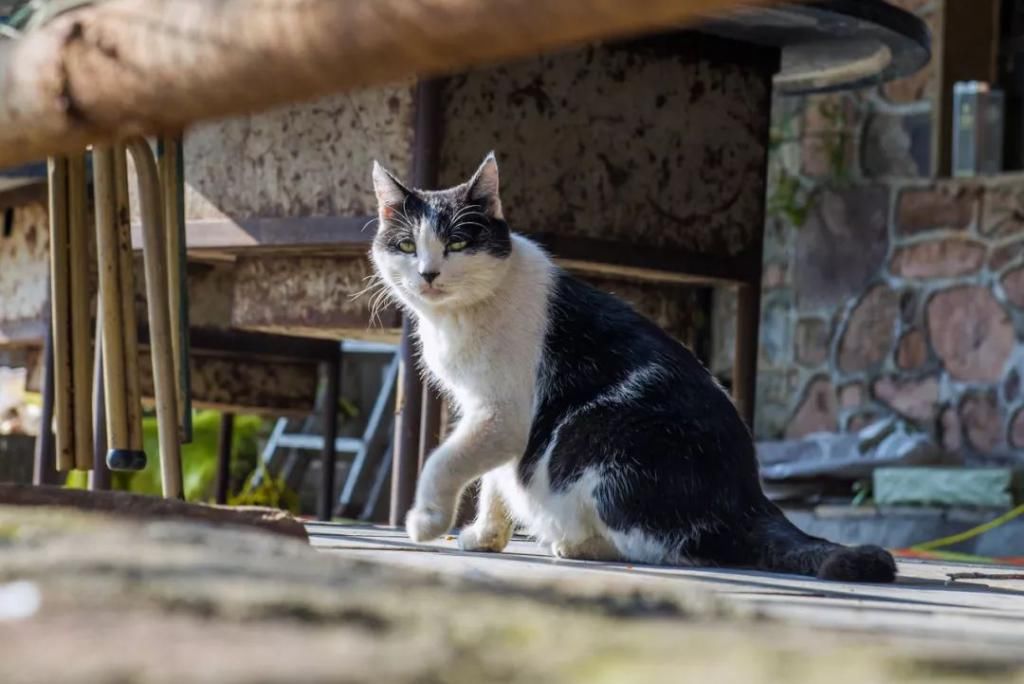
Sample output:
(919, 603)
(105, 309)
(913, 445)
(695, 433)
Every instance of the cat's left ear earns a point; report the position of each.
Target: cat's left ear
(390, 192)
(483, 187)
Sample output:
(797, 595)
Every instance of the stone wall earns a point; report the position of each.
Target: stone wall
(885, 291)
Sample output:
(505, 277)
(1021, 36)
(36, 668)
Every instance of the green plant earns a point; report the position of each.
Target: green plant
(198, 458)
(262, 489)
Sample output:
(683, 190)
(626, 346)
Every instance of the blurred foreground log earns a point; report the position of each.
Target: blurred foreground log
(150, 507)
(134, 67)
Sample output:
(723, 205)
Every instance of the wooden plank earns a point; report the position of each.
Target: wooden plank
(165, 64)
(350, 233)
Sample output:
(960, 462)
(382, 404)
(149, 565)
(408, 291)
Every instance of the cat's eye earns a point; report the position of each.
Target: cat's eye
(407, 246)
(457, 246)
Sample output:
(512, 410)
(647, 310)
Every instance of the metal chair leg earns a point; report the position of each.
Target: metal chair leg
(160, 331)
(224, 440)
(119, 454)
(333, 371)
(170, 158)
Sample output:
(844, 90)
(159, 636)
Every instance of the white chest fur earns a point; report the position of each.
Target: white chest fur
(486, 355)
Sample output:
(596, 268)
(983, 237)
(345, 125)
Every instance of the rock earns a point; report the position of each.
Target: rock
(952, 432)
(1004, 255)
(861, 420)
(138, 506)
(947, 205)
(938, 259)
(1013, 286)
(982, 421)
(851, 395)
(896, 145)
(870, 330)
(812, 338)
(817, 411)
(776, 338)
(912, 350)
(970, 332)
(1017, 429)
(826, 270)
(1011, 386)
(775, 392)
(913, 398)
(776, 275)
(828, 147)
(1003, 211)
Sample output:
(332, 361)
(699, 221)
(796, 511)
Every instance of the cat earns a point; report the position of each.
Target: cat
(589, 426)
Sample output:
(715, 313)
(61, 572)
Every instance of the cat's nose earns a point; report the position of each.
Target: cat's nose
(429, 276)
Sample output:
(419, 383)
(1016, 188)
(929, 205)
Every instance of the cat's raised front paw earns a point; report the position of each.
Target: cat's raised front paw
(426, 523)
(491, 539)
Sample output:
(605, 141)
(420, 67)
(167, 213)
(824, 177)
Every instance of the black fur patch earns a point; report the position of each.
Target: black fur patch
(617, 395)
(452, 217)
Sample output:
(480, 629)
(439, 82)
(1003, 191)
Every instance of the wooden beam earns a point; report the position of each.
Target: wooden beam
(135, 67)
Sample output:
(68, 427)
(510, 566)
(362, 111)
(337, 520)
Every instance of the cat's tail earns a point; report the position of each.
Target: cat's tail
(782, 547)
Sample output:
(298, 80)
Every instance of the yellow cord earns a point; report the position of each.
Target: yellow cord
(973, 532)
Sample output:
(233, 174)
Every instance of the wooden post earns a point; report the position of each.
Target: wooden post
(161, 351)
(133, 392)
(332, 369)
(224, 439)
(119, 454)
(60, 317)
(172, 182)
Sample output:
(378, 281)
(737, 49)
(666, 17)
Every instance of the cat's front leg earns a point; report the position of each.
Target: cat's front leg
(492, 529)
(481, 441)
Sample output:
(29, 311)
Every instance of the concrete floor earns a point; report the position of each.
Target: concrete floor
(922, 605)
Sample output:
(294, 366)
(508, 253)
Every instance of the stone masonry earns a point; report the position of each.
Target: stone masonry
(887, 291)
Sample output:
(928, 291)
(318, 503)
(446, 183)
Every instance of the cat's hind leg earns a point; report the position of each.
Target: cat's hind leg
(492, 529)
(595, 548)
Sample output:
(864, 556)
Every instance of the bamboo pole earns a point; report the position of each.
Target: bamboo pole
(81, 316)
(60, 301)
(119, 454)
(126, 261)
(134, 67)
(160, 349)
(172, 183)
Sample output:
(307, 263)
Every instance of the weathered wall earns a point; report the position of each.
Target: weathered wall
(309, 159)
(652, 143)
(24, 265)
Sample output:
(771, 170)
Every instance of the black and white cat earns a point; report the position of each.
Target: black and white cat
(590, 427)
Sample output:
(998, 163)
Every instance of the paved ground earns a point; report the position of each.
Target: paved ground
(922, 605)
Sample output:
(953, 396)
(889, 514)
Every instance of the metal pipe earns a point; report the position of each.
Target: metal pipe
(99, 476)
(129, 333)
(81, 316)
(224, 440)
(332, 369)
(44, 470)
(60, 316)
(172, 182)
(160, 347)
(119, 454)
(405, 457)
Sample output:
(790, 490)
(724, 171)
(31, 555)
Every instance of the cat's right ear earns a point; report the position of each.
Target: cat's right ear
(390, 192)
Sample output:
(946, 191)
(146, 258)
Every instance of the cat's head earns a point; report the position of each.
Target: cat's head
(443, 248)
